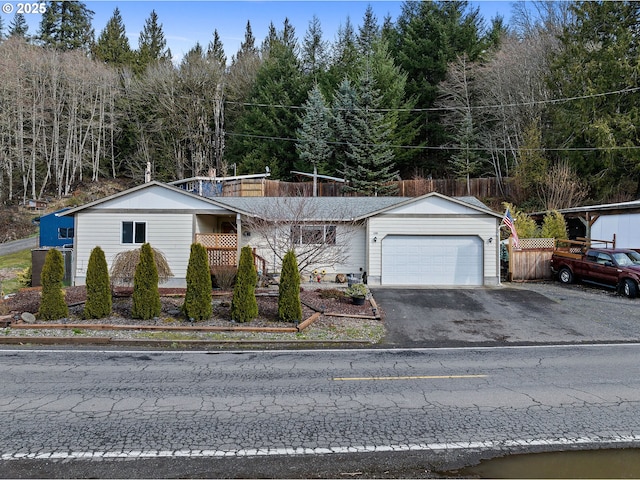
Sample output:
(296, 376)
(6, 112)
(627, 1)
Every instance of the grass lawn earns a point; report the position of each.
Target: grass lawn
(10, 266)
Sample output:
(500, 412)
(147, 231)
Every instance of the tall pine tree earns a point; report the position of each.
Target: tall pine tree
(19, 27)
(112, 46)
(371, 166)
(152, 46)
(66, 25)
(314, 135)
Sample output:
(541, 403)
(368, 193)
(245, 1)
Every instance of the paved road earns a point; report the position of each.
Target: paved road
(18, 245)
(394, 413)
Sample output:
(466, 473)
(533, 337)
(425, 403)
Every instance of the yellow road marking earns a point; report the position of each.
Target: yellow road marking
(415, 377)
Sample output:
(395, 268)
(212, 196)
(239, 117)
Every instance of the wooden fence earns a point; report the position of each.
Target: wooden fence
(478, 187)
(532, 260)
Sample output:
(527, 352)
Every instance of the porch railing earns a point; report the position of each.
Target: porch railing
(222, 250)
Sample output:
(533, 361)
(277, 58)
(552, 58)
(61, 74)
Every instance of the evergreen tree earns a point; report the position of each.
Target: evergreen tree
(244, 306)
(314, 51)
(391, 82)
(112, 46)
(599, 53)
(240, 81)
(66, 25)
(314, 134)
(371, 166)
(345, 59)
(18, 27)
(289, 305)
(215, 51)
(343, 116)
(554, 226)
(98, 304)
(146, 296)
(429, 36)
(52, 304)
(369, 32)
(197, 301)
(152, 46)
(279, 84)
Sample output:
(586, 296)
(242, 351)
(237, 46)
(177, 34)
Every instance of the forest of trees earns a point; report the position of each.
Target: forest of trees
(549, 102)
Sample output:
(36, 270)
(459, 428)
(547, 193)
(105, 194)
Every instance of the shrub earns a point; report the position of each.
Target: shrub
(146, 296)
(289, 306)
(224, 277)
(244, 306)
(25, 277)
(554, 226)
(124, 266)
(197, 301)
(98, 304)
(52, 305)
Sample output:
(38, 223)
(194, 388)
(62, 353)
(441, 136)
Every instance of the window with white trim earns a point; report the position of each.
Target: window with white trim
(314, 234)
(65, 233)
(134, 232)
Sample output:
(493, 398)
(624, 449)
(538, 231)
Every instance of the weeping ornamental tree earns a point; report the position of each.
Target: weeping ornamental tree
(197, 302)
(98, 304)
(146, 296)
(244, 306)
(52, 305)
(289, 305)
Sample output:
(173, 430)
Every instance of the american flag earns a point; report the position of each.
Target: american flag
(508, 221)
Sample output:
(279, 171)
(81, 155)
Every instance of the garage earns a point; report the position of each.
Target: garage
(432, 260)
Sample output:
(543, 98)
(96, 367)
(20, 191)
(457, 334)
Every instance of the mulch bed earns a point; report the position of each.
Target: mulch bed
(313, 299)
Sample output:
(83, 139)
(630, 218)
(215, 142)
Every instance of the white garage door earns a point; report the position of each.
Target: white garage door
(432, 260)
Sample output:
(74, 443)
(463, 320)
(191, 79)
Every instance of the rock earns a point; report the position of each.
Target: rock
(28, 317)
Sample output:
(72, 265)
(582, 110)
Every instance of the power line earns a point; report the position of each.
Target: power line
(474, 107)
(447, 148)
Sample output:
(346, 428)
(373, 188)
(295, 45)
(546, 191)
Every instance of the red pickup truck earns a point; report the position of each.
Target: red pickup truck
(609, 267)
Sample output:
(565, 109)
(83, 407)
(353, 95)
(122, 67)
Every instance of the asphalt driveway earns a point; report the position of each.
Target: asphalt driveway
(513, 314)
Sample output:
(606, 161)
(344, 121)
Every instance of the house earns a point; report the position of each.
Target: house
(428, 240)
(56, 230)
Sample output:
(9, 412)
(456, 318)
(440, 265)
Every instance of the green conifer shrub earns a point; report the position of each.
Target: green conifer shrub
(244, 306)
(146, 296)
(98, 304)
(289, 305)
(197, 302)
(52, 305)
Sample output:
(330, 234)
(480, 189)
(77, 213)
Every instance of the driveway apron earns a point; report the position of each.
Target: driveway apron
(528, 314)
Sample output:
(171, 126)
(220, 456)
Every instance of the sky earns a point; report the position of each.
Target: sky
(187, 22)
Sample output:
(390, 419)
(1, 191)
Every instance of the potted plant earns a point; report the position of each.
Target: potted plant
(357, 292)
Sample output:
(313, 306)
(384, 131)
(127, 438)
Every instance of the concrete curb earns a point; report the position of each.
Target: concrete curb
(177, 343)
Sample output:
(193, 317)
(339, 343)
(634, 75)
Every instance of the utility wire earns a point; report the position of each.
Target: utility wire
(445, 147)
(474, 107)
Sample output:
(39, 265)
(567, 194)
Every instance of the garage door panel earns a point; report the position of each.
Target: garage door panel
(432, 260)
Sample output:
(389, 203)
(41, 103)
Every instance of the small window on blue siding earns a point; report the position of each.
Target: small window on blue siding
(65, 233)
(134, 232)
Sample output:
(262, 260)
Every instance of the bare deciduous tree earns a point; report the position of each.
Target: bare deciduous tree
(563, 188)
(301, 225)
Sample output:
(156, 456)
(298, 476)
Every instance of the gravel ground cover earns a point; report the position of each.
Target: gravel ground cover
(346, 326)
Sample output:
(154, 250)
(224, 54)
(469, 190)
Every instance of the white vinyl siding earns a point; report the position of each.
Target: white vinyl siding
(354, 258)
(625, 227)
(169, 233)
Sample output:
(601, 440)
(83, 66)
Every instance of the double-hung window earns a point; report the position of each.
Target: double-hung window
(134, 232)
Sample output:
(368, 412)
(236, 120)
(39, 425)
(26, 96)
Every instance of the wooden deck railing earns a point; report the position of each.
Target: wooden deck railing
(222, 250)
